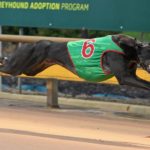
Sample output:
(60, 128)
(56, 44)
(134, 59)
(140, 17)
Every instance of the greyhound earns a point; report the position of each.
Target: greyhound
(94, 60)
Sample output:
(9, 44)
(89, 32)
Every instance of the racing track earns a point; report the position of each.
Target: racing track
(36, 128)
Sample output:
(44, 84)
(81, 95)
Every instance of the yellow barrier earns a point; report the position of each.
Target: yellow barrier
(58, 72)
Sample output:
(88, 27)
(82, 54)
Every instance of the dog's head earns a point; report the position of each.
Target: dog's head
(144, 57)
(135, 48)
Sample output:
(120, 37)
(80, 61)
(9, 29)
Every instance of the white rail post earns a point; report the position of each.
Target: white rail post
(52, 93)
(19, 79)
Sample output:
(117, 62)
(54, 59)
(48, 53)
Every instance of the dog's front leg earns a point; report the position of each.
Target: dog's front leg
(134, 81)
(119, 66)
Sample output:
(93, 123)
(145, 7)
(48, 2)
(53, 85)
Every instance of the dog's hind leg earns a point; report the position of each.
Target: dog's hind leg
(47, 54)
(16, 63)
(38, 68)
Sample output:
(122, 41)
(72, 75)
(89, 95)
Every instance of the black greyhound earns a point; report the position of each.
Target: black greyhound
(33, 58)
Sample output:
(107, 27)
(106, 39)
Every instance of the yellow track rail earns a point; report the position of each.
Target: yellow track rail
(58, 72)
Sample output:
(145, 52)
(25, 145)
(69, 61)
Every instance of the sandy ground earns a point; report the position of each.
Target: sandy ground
(36, 128)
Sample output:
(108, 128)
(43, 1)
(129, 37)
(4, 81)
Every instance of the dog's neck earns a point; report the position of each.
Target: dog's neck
(130, 46)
